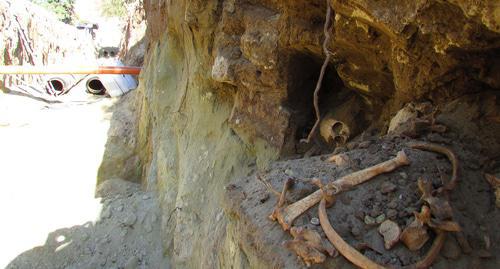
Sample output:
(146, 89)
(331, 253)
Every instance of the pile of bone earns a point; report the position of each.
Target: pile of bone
(435, 214)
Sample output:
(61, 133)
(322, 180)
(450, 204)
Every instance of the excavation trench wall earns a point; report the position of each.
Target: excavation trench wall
(31, 35)
(227, 88)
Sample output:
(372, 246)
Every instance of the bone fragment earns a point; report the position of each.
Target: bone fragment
(342, 246)
(495, 184)
(287, 215)
(364, 262)
(447, 186)
(268, 185)
(313, 238)
(415, 235)
(305, 251)
(440, 207)
(341, 160)
(432, 253)
(391, 233)
(282, 199)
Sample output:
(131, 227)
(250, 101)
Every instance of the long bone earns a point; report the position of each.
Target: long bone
(286, 215)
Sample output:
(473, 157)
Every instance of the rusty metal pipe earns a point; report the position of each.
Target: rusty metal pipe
(59, 69)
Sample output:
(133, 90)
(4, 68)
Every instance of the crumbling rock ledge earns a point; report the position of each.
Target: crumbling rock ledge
(227, 88)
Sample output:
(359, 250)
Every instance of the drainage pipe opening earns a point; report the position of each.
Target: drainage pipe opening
(56, 86)
(95, 86)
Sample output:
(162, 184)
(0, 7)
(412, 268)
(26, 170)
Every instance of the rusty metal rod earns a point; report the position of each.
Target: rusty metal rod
(77, 70)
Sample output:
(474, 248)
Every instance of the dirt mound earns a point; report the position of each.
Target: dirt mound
(358, 213)
(127, 235)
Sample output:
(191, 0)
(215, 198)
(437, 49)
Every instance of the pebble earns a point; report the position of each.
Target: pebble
(356, 231)
(132, 263)
(106, 213)
(380, 218)
(387, 187)
(392, 213)
(360, 215)
(145, 197)
(403, 175)
(119, 208)
(375, 211)
(130, 219)
(374, 240)
(369, 220)
(364, 144)
(315, 221)
(392, 204)
(289, 172)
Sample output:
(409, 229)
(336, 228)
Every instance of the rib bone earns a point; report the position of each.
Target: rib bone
(287, 215)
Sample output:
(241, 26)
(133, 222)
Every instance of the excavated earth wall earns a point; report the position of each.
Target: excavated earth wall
(228, 87)
(32, 35)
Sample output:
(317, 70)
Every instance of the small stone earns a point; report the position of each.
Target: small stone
(356, 231)
(106, 213)
(391, 233)
(132, 263)
(451, 250)
(403, 175)
(219, 216)
(369, 220)
(375, 211)
(145, 197)
(380, 218)
(119, 208)
(387, 187)
(129, 219)
(364, 144)
(392, 213)
(373, 239)
(289, 172)
(315, 221)
(392, 204)
(359, 215)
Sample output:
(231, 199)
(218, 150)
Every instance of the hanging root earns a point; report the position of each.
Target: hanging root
(326, 29)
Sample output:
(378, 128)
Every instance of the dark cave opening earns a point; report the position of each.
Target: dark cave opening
(303, 73)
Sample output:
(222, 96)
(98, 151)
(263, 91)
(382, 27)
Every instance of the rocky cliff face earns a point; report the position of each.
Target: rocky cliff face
(228, 87)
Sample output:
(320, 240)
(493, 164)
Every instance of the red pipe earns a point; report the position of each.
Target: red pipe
(81, 70)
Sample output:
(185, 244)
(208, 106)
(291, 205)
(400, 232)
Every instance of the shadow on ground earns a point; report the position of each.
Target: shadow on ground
(126, 235)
